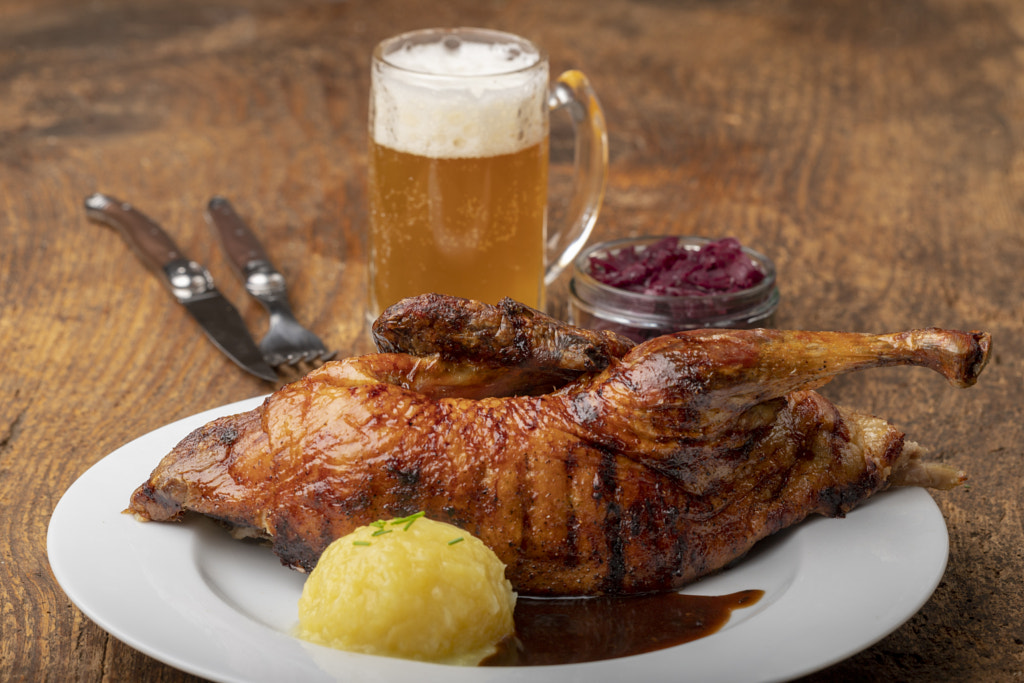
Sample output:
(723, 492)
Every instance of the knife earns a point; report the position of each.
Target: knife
(189, 282)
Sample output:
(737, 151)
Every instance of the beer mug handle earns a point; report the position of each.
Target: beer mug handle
(572, 91)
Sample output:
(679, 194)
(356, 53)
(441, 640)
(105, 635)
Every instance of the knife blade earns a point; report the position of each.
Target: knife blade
(190, 283)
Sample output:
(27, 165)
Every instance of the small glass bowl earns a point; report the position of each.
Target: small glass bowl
(595, 305)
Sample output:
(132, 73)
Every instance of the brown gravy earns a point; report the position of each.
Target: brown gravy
(574, 630)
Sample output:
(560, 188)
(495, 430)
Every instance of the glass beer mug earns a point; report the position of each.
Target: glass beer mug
(458, 167)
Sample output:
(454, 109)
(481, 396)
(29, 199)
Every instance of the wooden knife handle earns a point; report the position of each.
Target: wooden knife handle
(186, 279)
(154, 247)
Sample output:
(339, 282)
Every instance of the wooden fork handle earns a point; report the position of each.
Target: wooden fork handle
(239, 242)
(246, 254)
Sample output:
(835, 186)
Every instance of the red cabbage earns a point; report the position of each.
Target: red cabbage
(667, 268)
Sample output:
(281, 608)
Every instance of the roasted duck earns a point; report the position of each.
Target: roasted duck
(596, 468)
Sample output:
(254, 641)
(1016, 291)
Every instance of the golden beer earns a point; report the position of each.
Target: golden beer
(458, 167)
(471, 227)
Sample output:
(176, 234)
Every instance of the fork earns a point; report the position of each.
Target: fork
(288, 347)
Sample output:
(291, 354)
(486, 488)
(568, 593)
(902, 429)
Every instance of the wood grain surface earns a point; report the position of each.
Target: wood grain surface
(874, 149)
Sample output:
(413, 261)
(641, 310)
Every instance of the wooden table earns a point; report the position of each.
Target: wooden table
(874, 149)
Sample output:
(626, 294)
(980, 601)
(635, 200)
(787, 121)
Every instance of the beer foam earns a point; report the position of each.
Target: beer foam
(457, 57)
(472, 101)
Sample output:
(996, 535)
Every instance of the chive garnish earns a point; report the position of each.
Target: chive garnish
(455, 540)
(379, 532)
(360, 543)
(408, 521)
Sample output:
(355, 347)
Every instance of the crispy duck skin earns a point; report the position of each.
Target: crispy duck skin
(666, 465)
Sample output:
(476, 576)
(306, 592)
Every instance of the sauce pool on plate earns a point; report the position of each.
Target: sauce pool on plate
(576, 630)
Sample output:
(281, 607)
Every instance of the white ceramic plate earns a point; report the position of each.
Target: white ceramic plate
(190, 596)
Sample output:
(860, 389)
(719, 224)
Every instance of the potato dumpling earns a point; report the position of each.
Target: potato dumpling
(412, 588)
